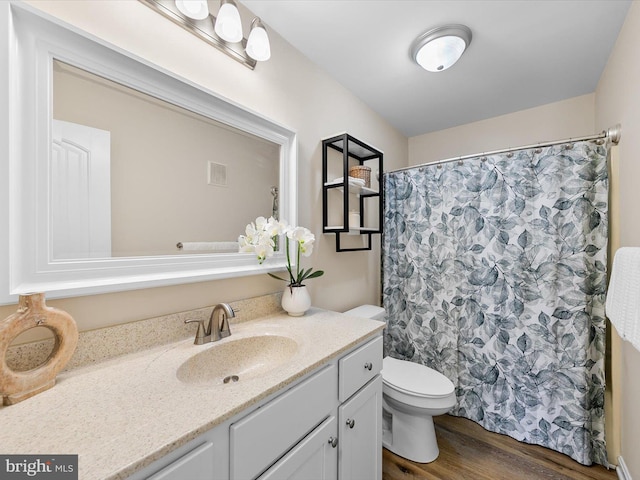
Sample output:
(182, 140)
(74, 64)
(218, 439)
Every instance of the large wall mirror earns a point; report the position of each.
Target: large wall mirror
(121, 175)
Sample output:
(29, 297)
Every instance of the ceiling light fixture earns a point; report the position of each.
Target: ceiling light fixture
(224, 32)
(441, 47)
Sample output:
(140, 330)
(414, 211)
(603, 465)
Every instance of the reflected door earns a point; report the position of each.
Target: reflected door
(79, 189)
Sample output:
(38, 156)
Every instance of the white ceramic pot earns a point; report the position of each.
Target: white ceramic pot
(296, 300)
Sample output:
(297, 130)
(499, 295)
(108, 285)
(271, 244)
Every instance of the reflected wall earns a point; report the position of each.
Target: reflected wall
(176, 176)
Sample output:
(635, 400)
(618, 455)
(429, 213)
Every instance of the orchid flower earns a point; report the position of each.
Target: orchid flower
(260, 238)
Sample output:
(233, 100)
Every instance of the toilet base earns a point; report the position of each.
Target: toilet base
(410, 436)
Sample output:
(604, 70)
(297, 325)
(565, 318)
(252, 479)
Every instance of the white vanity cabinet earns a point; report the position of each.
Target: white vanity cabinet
(196, 464)
(360, 413)
(264, 436)
(326, 426)
(360, 434)
(358, 444)
(315, 457)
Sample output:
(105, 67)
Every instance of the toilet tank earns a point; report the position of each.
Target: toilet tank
(367, 311)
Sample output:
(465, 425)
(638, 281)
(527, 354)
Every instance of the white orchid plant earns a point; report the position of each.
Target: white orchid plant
(260, 239)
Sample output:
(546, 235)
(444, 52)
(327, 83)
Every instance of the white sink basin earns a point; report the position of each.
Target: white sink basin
(237, 360)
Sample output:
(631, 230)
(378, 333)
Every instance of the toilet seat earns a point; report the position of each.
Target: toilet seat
(415, 379)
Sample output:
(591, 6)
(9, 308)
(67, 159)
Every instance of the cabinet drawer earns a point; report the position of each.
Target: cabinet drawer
(195, 465)
(358, 367)
(265, 435)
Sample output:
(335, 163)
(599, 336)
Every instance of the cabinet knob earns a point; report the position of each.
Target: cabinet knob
(333, 441)
(351, 422)
(368, 366)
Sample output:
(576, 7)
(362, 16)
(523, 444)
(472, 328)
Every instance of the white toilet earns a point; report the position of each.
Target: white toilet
(411, 395)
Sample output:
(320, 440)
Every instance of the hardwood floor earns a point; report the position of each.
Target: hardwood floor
(469, 452)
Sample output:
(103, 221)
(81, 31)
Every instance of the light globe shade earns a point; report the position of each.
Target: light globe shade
(440, 54)
(440, 48)
(228, 25)
(195, 9)
(258, 46)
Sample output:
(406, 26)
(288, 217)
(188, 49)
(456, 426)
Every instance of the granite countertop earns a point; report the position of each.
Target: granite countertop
(122, 414)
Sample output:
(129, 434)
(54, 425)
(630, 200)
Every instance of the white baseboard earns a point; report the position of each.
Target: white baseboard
(622, 471)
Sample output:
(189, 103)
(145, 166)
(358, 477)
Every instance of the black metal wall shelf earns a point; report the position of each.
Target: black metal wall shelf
(353, 152)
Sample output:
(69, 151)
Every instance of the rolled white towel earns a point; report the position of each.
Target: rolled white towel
(352, 180)
(208, 246)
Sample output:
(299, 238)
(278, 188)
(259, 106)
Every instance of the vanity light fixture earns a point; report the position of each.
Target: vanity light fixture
(223, 32)
(228, 25)
(258, 46)
(441, 47)
(196, 9)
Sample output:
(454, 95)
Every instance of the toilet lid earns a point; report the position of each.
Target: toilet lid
(415, 378)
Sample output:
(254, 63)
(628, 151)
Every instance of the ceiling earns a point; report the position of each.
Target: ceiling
(524, 53)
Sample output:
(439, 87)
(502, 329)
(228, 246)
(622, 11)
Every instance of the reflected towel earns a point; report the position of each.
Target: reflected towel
(623, 295)
(209, 246)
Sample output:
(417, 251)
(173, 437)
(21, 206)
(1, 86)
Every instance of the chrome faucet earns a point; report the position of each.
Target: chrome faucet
(219, 321)
(218, 326)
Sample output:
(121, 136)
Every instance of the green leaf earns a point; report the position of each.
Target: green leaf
(316, 274)
(277, 277)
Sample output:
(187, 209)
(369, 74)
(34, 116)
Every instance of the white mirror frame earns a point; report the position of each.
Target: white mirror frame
(29, 42)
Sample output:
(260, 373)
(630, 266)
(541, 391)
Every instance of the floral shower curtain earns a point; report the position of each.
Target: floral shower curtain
(494, 274)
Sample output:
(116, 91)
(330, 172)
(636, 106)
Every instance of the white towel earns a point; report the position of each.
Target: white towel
(209, 246)
(356, 182)
(623, 295)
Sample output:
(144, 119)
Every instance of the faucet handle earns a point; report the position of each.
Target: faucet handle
(199, 333)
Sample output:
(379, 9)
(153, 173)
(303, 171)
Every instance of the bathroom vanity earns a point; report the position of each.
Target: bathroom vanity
(306, 404)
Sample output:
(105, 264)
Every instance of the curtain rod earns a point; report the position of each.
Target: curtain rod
(612, 134)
